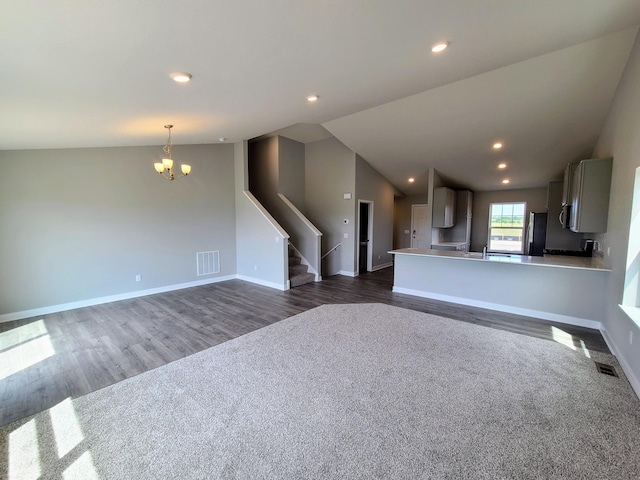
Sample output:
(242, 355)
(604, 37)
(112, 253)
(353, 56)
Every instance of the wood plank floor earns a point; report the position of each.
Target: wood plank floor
(47, 359)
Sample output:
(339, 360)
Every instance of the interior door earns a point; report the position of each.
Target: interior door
(363, 238)
(420, 237)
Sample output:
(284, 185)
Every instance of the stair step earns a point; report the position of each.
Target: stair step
(298, 269)
(301, 279)
(294, 261)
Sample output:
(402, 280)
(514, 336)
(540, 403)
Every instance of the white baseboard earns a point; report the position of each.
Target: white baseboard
(347, 274)
(264, 283)
(380, 267)
(554, 317)
(9, 317)
(628, 371)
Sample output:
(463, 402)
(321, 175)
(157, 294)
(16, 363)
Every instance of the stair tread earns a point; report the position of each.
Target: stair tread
(294, 260)
(301, 279)
(297, 269)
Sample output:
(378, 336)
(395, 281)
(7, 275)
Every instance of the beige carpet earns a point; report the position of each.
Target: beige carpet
(346, 391)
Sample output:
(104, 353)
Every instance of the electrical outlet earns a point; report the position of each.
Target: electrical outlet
(630, 337)
(346, 235)
(608, 251)
(255, 267)
(378, 257)
(277, 239)
(138, 278)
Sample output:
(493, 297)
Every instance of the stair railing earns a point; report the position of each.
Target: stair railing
(332, 250)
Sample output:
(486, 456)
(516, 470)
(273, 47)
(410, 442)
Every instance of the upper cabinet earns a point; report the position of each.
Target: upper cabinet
(590, 188)
(444, 207)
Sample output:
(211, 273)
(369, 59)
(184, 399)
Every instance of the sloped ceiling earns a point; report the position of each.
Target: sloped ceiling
(547, 111)
(95, 73)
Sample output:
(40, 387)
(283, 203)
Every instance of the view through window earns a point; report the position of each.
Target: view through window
(506, 227)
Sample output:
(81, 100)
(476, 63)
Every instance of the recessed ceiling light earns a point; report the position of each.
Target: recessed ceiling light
(411, 180)
(505, 181)
(497, 146)
(181, 77)
(502, 165)
(439, 47)
(312, 98)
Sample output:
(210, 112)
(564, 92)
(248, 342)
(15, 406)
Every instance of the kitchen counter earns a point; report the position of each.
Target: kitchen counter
(588, 263)
(556, 288)
(455, 246)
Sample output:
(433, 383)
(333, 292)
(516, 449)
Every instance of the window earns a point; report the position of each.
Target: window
(506, 227)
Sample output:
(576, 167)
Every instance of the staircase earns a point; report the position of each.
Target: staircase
(298, 273)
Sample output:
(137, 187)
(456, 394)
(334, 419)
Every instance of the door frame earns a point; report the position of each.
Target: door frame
(411, 226)
(369, 234)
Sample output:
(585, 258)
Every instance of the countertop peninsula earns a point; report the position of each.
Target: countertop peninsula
(557, 261)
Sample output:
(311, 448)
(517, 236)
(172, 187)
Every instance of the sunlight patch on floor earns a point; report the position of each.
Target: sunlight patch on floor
(22, 334)
(585, 350)
(66, 428)
(24, 454)
(25, 355)
(563, 338)
(81, 469)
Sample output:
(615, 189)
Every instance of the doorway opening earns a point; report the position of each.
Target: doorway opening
(365, 235)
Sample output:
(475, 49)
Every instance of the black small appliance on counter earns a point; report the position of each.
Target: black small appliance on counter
(586, 250)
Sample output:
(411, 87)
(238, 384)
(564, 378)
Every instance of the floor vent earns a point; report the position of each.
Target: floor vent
(606, 369)
(208, 262)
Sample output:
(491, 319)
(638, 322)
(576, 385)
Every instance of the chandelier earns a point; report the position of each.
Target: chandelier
(165, 168)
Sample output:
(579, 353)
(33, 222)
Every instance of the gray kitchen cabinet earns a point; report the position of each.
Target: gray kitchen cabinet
(444, 207)
(590, 196)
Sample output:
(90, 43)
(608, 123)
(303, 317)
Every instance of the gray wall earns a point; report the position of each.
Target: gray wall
(402, 219)
(79, 224)
(291, 170)
(330, 173)
(620, 139)
(371, 185)
(536, 199)
(260, 243)
(264, 174)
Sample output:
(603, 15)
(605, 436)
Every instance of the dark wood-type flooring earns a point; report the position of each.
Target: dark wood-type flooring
(47, 359)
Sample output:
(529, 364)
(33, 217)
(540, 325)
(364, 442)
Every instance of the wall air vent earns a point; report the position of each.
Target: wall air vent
(208, 262)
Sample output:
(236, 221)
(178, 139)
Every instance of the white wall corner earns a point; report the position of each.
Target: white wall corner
(634, 381)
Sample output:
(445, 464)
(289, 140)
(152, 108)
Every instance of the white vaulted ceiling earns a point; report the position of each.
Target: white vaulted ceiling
(537, 75)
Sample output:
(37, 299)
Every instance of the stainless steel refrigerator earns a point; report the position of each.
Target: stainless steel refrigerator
(536, 233)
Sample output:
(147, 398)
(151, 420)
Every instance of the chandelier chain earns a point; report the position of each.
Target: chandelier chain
(167, 146)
